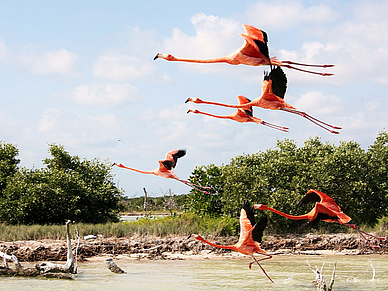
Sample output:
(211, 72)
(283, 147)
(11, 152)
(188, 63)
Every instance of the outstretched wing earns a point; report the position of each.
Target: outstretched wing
(257, 233)
(279, 82)
(173, 157)
(259, 37)
(244, 100)
(308, 198)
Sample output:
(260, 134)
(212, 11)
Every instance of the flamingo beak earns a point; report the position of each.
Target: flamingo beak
(256, 206)
(158, 55)
(188, 100)
(188, 111)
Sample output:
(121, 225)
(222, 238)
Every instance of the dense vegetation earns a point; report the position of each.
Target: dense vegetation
(356, 179)
(66, 188)
(84, 191)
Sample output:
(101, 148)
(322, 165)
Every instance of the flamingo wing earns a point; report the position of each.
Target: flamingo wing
(244, 100)
(259, 37)
(257, 233)
(166, 164)
(173, 156)
(279, 82)
(308, 198)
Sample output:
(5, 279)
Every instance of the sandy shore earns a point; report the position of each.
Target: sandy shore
(175, 248)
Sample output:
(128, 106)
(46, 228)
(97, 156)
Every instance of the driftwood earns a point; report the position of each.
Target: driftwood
(319, 281)
(113, 267)
(45, 269)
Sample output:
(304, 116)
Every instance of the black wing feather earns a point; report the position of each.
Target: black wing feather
(168, 164)
(279, 82)
(257, 233)
(177, 155)
(310, 197)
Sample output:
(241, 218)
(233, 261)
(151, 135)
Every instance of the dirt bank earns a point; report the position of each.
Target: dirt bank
(183, 248)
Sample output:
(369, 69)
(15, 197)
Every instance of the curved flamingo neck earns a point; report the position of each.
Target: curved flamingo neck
(228, 247)
(304, 216)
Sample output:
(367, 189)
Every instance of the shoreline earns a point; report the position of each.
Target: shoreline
(182, 248)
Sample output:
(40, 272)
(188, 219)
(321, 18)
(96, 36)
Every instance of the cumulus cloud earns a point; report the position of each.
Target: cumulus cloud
(59, 61)
(319, 103)
(288, 15)
(104, 94)
(122, 67)
(214, 37)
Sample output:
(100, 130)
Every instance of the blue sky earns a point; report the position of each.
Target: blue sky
(81, 74)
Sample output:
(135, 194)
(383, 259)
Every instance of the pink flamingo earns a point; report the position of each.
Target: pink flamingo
(254, 52)
(250, 236)
(166, 169)
(242, 115)
(326, 209)
(272, 97)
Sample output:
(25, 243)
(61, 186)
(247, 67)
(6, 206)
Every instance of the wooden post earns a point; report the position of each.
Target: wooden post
(145, 201)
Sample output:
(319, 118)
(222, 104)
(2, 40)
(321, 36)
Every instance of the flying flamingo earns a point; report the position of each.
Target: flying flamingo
(166, 169)
(254, 52)
(250, 237)
(272, 97)
(242, 115)
(326, 209)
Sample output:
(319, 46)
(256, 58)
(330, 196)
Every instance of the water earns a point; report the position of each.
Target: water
(288, 272)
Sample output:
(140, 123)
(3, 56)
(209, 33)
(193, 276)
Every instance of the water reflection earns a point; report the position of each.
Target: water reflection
(288, 272)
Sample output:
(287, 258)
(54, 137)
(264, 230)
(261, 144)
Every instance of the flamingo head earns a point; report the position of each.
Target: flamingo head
(195, 100)
(167, 57)
(193, 111)
(260, 206)
(196, 236)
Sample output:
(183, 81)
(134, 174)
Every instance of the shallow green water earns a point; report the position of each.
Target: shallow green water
(288, 273)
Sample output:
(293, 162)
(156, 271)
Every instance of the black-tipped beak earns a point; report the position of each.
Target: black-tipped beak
(113, 164)
(157, 56)
(187, 100)
(189, 237)
(188, 111)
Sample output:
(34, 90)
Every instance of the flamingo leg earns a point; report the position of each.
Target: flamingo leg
(314, 120)
(307, 65)
(195, 186)
(274, 126)
(257, 261)
(363, 233)
(306, 71)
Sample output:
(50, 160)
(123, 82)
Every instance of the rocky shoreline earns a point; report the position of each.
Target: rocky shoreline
(157, 248)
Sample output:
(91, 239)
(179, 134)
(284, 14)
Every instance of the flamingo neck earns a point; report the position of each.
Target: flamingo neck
(206, 61)
(136, 170)
(240, 106)
(296, 217)
(212, 115)
(228, 247)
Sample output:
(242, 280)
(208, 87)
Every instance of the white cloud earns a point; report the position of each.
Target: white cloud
(59, 61)
(104, 95)
(214, 37)
(318, 103)
(288, 15)
(120, 67)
